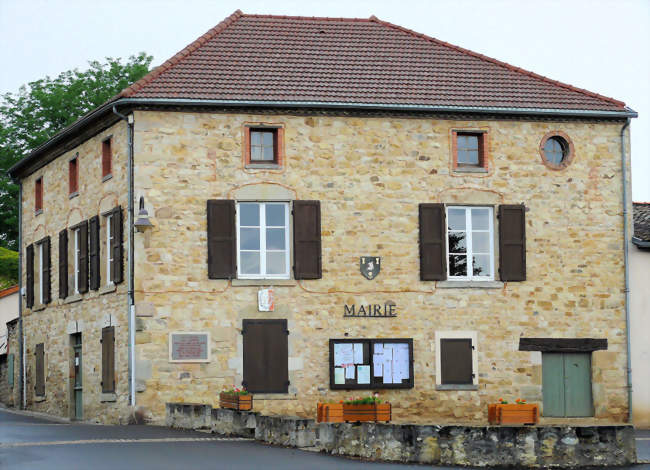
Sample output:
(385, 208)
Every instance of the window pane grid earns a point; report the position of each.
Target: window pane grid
(262, 146)
(464, 262)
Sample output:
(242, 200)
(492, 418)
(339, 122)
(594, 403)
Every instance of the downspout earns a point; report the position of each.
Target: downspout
(626, 269)
(21, 354)
(130, 300)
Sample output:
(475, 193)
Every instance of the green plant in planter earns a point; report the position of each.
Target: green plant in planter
(235, 391)
(373, 399)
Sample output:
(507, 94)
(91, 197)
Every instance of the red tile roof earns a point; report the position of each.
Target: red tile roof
(8, 291)
(342, 60)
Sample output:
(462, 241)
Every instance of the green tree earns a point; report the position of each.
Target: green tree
(42, 108)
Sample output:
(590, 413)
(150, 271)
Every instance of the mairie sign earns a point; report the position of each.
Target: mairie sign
(370, 310)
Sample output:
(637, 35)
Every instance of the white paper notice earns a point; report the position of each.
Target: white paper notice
(343, 354)
(401, 362)
(379, 348)
(388, 371)
(377, 364)
(349, 372)
(363, 374)
(339, 375)
(358, 353)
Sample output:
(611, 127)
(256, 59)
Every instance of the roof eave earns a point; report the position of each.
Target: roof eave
(15, 170)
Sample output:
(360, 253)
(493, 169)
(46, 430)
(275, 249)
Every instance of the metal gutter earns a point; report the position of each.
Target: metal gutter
(130, 300)
(21, 339)
(641, 243)
(107, 107)
(627, 271)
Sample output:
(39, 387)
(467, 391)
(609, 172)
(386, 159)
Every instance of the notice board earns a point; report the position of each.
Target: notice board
(371, 363)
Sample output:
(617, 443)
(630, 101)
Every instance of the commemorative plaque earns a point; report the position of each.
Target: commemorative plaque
(189, 347)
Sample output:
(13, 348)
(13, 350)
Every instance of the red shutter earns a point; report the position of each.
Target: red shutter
(433, 246)
(222, 244)
(63, 263)
(307, 240)
(29, 274)
(512, 242)
(106, 157)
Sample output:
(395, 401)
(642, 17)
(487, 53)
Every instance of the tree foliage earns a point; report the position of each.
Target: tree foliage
(42, 108)
(8, 268)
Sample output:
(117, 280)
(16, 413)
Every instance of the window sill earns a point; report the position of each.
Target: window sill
(107, 289)
(107, 177)
(263, 282)
(73, 195)
(263, 166)
(470, 169)
(39, 398)
(38, 212)
(108, 397)
(38, 307)
(72, 299)
(469, 284)
(455, 387)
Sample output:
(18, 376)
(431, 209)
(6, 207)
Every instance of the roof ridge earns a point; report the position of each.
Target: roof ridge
(193, 46)
(291, 17)
(499, 62)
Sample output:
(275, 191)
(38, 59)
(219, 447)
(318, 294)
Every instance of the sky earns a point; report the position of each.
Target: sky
(600, 45)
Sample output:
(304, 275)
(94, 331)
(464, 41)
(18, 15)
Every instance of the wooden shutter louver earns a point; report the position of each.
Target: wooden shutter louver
(512, 242)
(117, 246)
(39, 370)
(456, 361)
(108, 359)
(307, 244)
(266, 356)
(63, 264)
(47, 264)
(93, 227)
(83, 257)
(222, 241)
(433, 246)
(29, 274)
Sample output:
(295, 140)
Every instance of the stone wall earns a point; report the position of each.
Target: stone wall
(370, 174)
(476, 446)
(10, 396)
(88, 313)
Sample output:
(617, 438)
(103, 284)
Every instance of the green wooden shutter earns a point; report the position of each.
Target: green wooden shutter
(433, 251)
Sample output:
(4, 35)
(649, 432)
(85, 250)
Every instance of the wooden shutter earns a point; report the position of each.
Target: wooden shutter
(29, 273)
(456, 361)
(117, 245)
(108, 359)
(63, 264)
(83, 257)
(10, 370)
(433, 247)
(39, 370)
(266, 356)
(222, 239)
(307, 240)
(512, 242)
(47, 263)
(93, 227)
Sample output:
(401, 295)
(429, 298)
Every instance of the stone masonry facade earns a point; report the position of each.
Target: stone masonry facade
(54, 323)
(369, 174)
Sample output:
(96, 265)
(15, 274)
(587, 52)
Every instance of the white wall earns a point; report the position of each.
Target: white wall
(8, 311)
(640, 334)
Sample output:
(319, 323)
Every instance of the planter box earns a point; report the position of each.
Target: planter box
(513, 414)
(330, 413)
(371, 412)
(236, 402)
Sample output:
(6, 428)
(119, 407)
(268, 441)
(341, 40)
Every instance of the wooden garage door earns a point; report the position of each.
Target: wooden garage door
(566, 384)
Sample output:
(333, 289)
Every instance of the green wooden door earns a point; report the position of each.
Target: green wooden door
(566, 384)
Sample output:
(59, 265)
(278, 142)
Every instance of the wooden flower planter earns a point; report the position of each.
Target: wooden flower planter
(370, 412)
(236, 402)
(330, 413)
(513, 414)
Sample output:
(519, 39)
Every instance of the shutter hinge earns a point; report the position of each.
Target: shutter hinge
(288, 382)
(473, 376)
(101, 341)
(473, 348)
(101, 383)
(243, 331)
(286, 331)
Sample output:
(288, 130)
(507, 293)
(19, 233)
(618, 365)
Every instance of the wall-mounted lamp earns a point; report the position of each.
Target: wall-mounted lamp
(142, 223)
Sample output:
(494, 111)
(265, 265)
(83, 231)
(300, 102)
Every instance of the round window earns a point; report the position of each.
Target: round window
(556, 150)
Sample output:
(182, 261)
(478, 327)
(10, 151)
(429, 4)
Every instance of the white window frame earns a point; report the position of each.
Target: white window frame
(40, 273)
(262, 227)
(469, 243)
(472, 335)
(109, 251)
(77, 254)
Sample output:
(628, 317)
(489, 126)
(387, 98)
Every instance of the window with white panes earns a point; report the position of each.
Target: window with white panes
(263, 240)
(41, 265)
(77, 255)
(109, 251)
(470, 243)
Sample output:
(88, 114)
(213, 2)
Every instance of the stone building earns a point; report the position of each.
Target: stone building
(316, 207)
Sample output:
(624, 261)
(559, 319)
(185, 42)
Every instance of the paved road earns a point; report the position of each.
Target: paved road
(34, 443)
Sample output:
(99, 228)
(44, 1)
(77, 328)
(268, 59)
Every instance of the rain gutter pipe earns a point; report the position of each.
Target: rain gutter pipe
(130, 301)
(627, 271)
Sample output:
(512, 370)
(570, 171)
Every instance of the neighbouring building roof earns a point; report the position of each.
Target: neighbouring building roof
(349, 60)
(8, 291)
(641, 224)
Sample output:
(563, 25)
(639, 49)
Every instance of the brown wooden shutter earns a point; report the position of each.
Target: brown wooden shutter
(39, 370)
(456, 361)
(512, 242)
(222, 241)
(108, 359)
(47, 265)
(63, 263)
(266, 356)
(29, 273)
(93, 227)
(83, 257)
(433, 246)
(117, 225)
(307, 240)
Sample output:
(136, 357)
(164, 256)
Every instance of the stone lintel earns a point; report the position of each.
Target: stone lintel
(562, 344)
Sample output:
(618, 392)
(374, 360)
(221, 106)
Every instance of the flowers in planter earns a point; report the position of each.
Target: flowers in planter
(235, 391)
(371, 400)
(518, 401)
